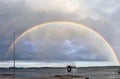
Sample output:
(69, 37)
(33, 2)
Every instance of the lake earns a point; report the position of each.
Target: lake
(91, 72)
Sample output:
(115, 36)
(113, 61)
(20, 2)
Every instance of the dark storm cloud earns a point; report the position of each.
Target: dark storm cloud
(55, 52)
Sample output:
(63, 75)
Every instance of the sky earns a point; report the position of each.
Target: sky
(20, 15)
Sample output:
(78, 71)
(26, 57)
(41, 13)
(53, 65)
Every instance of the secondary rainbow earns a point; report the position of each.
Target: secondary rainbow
(78, 24)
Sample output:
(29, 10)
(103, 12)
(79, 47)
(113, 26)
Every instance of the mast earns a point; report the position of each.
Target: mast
(14, 57)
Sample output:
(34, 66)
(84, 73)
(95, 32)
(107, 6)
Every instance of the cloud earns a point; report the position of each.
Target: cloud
(26, 64)
(55, 5)
(8, 11)
(78, 8)
(62, 42)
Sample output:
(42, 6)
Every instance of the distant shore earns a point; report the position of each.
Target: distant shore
(58, 67)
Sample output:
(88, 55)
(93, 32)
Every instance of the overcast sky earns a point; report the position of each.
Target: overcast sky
(19, 15)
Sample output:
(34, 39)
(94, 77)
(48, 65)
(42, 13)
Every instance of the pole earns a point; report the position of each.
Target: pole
(14, 57)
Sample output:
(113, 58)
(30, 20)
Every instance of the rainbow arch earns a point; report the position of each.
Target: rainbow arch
(81, 25)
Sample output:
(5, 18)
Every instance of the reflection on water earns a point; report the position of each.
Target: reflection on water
(93, 73)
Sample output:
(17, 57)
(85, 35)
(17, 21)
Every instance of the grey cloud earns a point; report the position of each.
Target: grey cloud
(49, 43)
(8, 11)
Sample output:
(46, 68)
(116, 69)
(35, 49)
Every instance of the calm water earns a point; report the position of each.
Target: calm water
(93, 73)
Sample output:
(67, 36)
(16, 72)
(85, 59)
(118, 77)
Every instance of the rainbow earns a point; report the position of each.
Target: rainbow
(63, 22)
